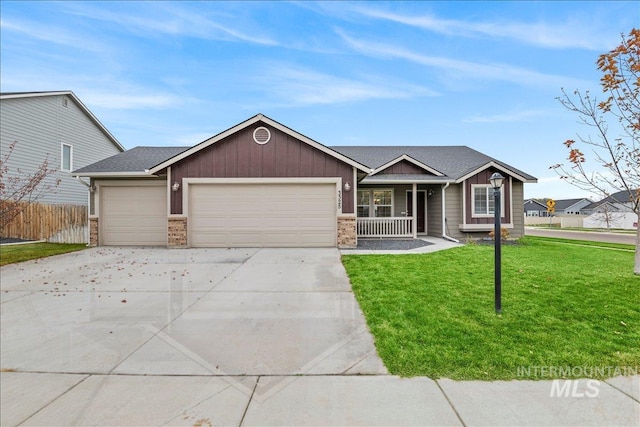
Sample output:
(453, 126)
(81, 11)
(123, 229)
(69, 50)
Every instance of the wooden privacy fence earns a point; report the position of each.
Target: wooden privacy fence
(54, 223)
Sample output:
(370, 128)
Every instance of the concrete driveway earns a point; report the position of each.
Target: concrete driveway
(239, 337)
(232, 313)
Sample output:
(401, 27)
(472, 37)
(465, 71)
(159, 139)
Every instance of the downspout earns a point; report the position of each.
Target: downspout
(444, 217)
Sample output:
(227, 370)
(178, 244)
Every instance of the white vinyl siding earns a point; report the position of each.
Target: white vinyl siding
(40, 125)
(262, 215)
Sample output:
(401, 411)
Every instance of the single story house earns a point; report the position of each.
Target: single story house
(617, 202)
(261, 184)
(535, 208)
(571, 206)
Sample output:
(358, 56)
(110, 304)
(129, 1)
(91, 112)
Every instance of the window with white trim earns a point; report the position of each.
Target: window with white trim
(66, 158)
(375, 203)
(482, 201)
(364, 201)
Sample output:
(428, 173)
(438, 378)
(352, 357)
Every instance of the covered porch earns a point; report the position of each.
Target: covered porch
(386, 209)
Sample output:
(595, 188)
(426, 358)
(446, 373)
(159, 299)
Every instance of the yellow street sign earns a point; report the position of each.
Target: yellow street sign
(551, 203)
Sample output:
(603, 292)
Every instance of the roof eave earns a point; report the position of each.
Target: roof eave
(410, 160)
(114, 175)
(501, 168)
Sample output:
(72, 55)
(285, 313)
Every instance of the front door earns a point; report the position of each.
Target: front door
(421, 210)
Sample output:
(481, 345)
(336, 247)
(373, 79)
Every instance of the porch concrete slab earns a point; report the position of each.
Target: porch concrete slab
(24, 394)
(302, 277)
(627, 384)
(351, 401)
(253, 333)
(436, 244)
(83, 332)
(527, 403)
(146, 401)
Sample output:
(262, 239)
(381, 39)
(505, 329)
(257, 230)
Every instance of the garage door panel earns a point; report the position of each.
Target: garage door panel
(133, 216)
(262, 215)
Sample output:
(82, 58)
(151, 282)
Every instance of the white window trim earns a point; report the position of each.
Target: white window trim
(372, 204)
(489, 194)
(62, 145)
(358, 205)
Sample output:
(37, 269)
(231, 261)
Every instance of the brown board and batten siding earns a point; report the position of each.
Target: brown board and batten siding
(402, 167)
(483, 178)
(239, 156)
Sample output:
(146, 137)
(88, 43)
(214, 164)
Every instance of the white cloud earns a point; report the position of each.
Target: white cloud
(171, 20)
(555, 35)
(50, 34)
(470, 70)
(297, 86)
(128, 101)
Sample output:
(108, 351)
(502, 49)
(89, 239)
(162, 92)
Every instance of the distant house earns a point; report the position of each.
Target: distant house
(571, 206)
(534, 208)
(617, 202)
(614, 211)
(58, 127)
(260, 183)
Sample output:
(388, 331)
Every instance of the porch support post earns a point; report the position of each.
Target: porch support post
(414, 203)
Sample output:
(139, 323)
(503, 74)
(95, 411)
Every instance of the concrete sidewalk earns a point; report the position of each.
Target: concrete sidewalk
(133, 336)
(308, 400)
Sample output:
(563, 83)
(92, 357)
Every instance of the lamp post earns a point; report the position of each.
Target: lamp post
(496, 182)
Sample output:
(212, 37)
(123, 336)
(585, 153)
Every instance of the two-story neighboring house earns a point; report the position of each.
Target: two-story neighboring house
(58, 127)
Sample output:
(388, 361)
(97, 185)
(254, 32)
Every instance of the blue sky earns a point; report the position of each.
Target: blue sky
(481, 74)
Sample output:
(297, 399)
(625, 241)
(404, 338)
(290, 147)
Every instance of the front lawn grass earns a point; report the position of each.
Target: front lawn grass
(620, 246)
(10, 254)
(562, 306)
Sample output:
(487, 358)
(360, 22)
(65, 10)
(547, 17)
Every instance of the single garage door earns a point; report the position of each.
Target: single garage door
(133, 216)
(262, 215)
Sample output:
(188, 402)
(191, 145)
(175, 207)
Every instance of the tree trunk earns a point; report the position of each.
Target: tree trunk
(636, 265)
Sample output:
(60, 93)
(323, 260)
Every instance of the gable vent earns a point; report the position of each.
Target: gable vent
(261, 135)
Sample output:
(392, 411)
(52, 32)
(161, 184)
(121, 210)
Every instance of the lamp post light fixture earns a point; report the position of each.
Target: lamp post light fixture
(496, 182)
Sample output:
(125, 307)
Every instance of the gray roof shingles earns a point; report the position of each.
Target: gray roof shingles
(453, 161)
(137, 159)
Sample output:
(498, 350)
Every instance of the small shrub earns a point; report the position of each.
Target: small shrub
(504, 234)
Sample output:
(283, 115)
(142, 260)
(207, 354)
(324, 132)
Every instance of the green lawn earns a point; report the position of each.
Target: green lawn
(10, 254)
(563, 306)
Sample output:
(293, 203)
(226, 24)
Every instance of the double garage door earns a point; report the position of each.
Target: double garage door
(224, 215)
(262, 215)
